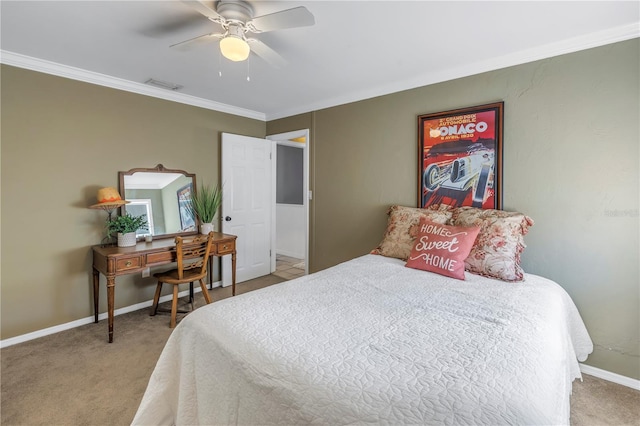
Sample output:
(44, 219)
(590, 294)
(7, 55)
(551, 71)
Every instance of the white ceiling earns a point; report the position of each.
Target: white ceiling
(356, 49)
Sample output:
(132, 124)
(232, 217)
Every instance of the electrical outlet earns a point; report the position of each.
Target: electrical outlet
(146, 272)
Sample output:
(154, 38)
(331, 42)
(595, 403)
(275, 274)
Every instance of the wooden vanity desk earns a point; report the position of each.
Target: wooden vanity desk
(113, 261)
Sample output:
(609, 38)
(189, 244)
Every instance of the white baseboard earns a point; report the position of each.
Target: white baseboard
(610, 377)
(88, 320)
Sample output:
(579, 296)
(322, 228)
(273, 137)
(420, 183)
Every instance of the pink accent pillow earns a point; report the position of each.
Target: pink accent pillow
(442, 248)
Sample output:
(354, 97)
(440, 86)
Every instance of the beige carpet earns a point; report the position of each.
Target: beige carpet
(76, 378)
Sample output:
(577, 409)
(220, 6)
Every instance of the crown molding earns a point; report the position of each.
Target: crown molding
(48, 67)
(571, 45)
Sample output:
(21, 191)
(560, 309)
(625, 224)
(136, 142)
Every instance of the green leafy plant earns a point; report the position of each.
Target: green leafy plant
(205, 203)
(126, 223)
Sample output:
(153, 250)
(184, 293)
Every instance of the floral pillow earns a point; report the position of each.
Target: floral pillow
(402, 228)
(442, 249)
(496, 251)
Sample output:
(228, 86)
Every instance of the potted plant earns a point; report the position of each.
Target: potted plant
(126, 226)
(204, 205)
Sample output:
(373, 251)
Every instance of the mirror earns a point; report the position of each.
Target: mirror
(162, 194)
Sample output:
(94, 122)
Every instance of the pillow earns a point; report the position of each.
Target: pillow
(402, 228)
(441, 248)
(496, 252)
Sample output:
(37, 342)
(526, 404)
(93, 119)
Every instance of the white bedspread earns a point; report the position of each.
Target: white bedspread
(370, 341)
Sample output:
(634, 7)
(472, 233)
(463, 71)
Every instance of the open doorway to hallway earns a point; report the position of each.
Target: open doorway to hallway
(290, 217)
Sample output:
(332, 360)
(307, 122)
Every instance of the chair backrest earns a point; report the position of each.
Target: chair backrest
(193, 253)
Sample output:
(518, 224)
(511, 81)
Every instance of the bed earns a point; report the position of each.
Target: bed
(370, 341)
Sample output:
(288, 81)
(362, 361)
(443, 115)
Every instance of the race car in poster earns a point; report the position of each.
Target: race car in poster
(459, 173)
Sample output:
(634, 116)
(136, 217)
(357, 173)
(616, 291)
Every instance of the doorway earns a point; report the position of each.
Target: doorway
(290, 208)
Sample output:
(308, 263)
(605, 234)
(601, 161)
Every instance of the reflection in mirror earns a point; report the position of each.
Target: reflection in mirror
(162, 195)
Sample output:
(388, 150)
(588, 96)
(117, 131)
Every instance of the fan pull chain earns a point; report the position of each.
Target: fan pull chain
(248, 60)
(219, 63)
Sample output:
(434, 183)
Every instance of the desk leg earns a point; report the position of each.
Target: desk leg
(210, 266)
(233, 273)
(111, 281)
(96, 293)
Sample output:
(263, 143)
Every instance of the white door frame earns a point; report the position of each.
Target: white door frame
(284, 139)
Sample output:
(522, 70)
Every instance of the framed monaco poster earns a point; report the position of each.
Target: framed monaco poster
(460, 157)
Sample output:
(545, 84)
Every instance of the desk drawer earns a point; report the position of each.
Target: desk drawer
(129, 263)
(223, 248)
(160, 258)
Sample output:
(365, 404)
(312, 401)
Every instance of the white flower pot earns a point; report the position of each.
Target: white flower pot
(126, 240)
(205, 228)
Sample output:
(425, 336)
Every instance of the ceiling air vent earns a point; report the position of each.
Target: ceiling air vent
(163, 84)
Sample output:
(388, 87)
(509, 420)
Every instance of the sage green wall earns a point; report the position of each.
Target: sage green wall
(61, 141)
(571, 161)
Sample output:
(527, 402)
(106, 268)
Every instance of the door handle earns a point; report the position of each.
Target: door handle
(228, 218)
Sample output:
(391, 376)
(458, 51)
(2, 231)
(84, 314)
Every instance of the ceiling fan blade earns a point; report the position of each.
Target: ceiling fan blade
(290, 18)
(196, 41)
(168, 26)
(205, 10)
(265, 52)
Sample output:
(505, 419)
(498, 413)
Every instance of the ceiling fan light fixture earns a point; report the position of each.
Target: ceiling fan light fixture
(234, 48)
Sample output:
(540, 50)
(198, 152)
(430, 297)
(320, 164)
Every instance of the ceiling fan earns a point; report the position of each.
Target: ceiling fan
(237, 22)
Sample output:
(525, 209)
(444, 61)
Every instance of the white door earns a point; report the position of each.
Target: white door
(246, 205)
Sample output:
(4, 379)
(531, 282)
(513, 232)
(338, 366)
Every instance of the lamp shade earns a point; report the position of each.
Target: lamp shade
(234, 48)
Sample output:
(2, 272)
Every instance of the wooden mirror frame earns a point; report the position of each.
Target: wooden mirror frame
(160, 169)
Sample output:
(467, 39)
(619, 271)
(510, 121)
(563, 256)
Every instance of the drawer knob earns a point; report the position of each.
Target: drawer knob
(128, 263)
(224, 247)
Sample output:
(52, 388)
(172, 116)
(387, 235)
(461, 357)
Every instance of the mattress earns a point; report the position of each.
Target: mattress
(370, 341)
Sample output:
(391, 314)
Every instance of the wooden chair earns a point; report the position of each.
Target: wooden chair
(191, 255)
